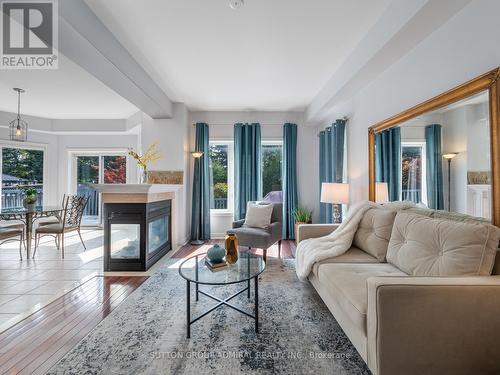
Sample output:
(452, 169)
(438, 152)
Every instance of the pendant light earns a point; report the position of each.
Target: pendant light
(18, 128)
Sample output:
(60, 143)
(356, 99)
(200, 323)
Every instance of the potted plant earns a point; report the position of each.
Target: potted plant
(150, 156)
(30, 198)
(301, 215)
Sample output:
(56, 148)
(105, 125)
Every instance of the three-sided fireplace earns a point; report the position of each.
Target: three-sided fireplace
(136, 235)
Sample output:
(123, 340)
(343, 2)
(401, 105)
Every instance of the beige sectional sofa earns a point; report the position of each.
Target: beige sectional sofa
(417, 293)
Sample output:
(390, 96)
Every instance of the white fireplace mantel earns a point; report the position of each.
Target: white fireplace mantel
(148, 193)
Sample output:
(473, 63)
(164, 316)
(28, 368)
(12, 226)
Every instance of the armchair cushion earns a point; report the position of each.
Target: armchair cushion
(252, 237)
(258, 215)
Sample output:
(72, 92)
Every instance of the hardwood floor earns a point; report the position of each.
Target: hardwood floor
(287, 249)
(35, 344)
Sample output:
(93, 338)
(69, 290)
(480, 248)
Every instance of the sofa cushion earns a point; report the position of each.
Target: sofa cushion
(374, 232)
(422, 246)
(353, 255)
(347, 286)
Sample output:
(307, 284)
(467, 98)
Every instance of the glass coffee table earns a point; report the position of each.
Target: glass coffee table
(248, 267)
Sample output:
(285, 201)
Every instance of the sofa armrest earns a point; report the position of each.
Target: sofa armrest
(238, 223)
(305, 231)
(433, 325)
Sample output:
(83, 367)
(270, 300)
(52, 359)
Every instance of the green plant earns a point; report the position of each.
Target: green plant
(302, 215)
(31, 194)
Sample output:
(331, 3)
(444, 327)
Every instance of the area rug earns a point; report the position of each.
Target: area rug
(146, 334)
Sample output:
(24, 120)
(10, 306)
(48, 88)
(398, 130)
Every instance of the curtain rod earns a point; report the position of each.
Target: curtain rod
(263, 124)
(345, 118)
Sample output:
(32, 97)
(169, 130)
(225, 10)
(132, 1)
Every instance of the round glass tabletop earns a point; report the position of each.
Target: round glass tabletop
(24, 210)
(247, 267)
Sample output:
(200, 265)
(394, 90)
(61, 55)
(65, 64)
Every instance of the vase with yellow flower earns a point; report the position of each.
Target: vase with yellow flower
(150, 156)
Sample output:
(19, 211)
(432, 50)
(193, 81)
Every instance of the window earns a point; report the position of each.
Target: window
(21, 168)
(221, 173)
(413, 179)
(220, 154)
(272, 157)
(96, 168)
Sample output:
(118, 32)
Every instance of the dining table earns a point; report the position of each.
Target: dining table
(28, 215)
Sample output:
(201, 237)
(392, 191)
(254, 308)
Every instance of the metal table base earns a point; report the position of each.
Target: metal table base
(222, 302)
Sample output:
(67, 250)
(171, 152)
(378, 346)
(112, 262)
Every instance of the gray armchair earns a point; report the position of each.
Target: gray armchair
(261, 238)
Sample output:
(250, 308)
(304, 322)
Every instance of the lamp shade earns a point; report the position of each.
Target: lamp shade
(450, 155)
(381, 192)
(197, 154)
(334, 193)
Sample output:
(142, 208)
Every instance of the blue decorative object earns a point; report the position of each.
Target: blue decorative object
(216, 254)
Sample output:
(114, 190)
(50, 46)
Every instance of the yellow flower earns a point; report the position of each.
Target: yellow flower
(150, 156)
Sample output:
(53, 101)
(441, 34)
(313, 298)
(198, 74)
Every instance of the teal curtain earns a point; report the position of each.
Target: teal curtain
(434, 167)
(289, 178)
(331, 162)
(247, 167)
(200, 208)
(388, 160)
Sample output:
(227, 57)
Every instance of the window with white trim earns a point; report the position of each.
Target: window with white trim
(413, 172)
(221, 176)
(272, 160)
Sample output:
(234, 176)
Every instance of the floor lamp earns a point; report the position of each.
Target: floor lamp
(449, 157)
(197, 155)
(335, 193)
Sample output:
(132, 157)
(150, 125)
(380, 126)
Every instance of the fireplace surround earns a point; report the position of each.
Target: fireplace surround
(136, 235)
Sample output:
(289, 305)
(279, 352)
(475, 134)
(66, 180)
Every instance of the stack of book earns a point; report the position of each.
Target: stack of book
(215, 266)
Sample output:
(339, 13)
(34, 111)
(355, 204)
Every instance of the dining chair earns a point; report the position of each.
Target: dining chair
(71, 219)
(10, 232)
(53, 219)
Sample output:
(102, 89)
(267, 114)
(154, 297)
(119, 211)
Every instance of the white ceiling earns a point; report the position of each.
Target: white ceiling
(66, 93)
(267, 55)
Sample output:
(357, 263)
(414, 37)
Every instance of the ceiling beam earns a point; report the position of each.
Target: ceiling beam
(85, 39)
(404, 24)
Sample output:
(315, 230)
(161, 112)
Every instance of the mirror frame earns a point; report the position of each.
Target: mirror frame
(489, 81)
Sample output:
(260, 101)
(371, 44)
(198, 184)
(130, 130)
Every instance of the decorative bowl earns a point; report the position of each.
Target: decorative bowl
(216, 254)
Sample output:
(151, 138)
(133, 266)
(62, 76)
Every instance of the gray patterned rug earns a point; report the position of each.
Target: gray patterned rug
(146, 334)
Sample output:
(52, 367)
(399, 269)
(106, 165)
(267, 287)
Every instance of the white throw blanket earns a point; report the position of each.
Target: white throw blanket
(314, 250)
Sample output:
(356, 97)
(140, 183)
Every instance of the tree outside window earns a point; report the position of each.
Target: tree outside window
(271, 167)
(219, 176)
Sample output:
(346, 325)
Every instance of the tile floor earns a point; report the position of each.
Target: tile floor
(28, 285)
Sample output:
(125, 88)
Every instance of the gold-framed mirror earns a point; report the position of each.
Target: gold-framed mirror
(443, 153)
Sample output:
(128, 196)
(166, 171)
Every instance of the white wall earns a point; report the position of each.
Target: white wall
(454, 139)
(221, 127)
(172, 138)
(57, 137)
(450, 56)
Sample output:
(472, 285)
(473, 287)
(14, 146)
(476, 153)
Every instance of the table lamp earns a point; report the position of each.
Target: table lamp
(381, 192)
(335, 193)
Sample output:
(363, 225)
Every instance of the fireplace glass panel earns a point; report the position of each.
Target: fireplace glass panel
(125, 241)
(158, 233)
